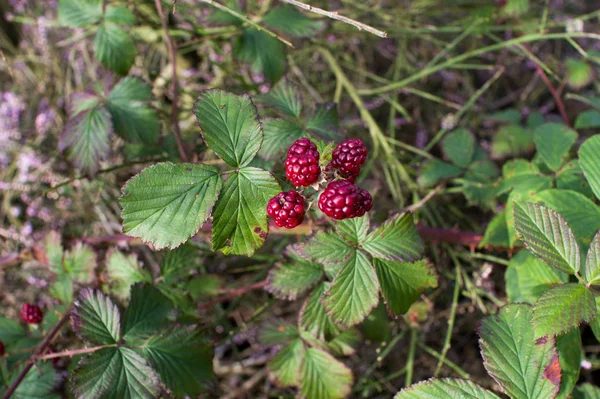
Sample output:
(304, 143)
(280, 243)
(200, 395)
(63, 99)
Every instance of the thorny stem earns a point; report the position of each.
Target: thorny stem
(74, 352)
(453, 308)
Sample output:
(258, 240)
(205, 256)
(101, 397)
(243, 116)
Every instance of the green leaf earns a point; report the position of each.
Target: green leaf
(240, 217)
(579, 73)
(353, 230)
(284, 97)
(286, 364)
(167, 203)
(528, 277)
(314, 319)
(515, 8)
(230, 126)
(289, 279)
(445, 388)
(511, 140)
(264, 53)
(589, 160)
(133, 118)
(402, 283)
(496, 233)
(586, 391)
(553, 142)
(396, 239)
(323, 122)
(279, 135)
(434, 170)
(354, 292)
(119, 15)
(345, 343)
(79, 263)
(86, 136)
(523, 366)
(124, 271)
(54, 251)
(114, 373)
(323, 376)
(114, 48)
(588, 119)
(96, 318)
(547, 235)
(591, 268)
(182, 359)
(10, 331)
(569, 354)
(287, 19)
(277, 332)
(459, 147)
(78, 13)
(147, 312)
(563, 308)
(570, 177)
(178, 262)
(39, 383)
(328, 249)
(62, 289)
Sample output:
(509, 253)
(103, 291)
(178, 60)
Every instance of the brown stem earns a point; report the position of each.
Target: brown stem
(175, 86)
(437, 235)
(40, 349)
(71, 353)
(233, 294)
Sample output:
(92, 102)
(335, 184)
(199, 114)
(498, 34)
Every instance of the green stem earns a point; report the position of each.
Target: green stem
(410, 363)
(453, 308)
(447, 362)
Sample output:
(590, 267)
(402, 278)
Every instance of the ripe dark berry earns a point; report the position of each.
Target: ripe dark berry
(1, 348)
(31, 314)
(342, 200)
(287, 209)
(348, 157)
(302, 163)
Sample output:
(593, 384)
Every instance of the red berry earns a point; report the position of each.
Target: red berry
(342, 200)
(302, 163)
(1, 348)
(348, 157)
(287, 209)
(31, 314)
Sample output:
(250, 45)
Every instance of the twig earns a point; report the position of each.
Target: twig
(174, 84)
(233, 294)
(337, 17)
(417, 205)
(40, 349)
(71, 353)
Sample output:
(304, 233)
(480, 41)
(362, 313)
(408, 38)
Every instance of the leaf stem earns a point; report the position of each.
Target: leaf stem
(74, 352)
(410, 362)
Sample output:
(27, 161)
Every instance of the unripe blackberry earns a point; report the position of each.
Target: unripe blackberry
(302, 163)
(342, 200)
(31, 314)
(287, 209)
(348, 157)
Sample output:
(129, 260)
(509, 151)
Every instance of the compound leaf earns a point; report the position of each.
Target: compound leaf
(459, 147)
(396, 239)
(96, 318)
(553, 142)
(323, 122)
(124, 271)
(279, 135)
(323, 376)
(329, 249)
(264, 53)
(147, 312)
(289, 279)
(78, 13)
(445, 388)
(285, 365)
(284, 97)
(114, 48)
(313, 317)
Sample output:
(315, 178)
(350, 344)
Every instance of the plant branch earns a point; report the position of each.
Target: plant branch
(71, 353)
(174, 84)
(334, 15)
(233, 294)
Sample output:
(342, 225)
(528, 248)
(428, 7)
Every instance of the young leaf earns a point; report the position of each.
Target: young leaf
(264, 53)
(182, 359)
(354, 291)
(178, 262)
(523, 191)
(344, 344)
(434, 170)
(579, 73)
(240, 217)
(323, 376)
(279, 135)
(459, 147)
(119, 15)
(569, 354)
(548, 236)
(124, 271)
(323, 122)
(54, 251)
(445, 388)
(563, 308)
(523, 366)
(402, 283)
(285, 365)
(167, 203)
(327, 249)
(96, 318)
(286, 18)
(229, 125)
(147, 312)
(313, 317)
(114, 48)
(292, 278)
(353, 230)
(79, 263)
(396, 239)
(114, 373)
(285, 97)
(591, 269)
(133, 118)
(78, 13)
(553, 142)
(589, 160)
(62, 288)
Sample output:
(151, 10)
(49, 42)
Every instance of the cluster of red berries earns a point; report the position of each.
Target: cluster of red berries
(341, 199)
(31, 314)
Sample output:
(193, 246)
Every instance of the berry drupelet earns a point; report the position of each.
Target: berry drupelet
(342, 200)
(31, 314)
(287, 209)
(348, 157)
(302, 163)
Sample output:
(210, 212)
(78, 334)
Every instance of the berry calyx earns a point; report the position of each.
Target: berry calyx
(1, 348)
(31, 314)
(287, 209)
(343, 200)
(302, 163)
(348, 157)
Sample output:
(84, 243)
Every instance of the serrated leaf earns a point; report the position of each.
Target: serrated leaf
(182, 359)
(264, 53)
(434, 170)
(563, 308)
(39, 383)
(402, 283)
(570, 177)
(579, 73)
(588, 119)
(119, 15)
(124, 271)
(591, 268)
(323, 122)
(345, 343)
(277, 332)
(586, 391)
(54, 251)
(178, 262)
(445, 388)
(77, 13)
(79, 263)
(114, 373)
(324, 377)
(589, 160)
(86, 136)
(279, 135)
(96, 318)
(459, 147)
(10, 331)
(328, 249)
(396, 239)
(229, 125)
(167, 203)
(284, 97)
(289, 279)
(62, 289)
(286, 18)
(354, 292)
(285, 365)
(569, 354)
(147, 312)
(511, 140)
(553, 142)
(114, 48)
(523, 366)
(353, 230)
(314, 319)
(133, 118)
(548, 236)
(240, 217)
(496, 232)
